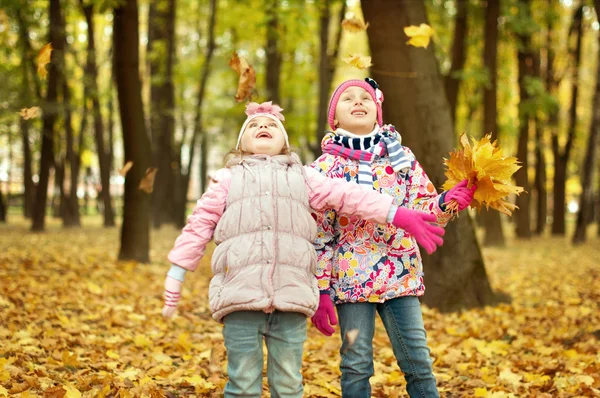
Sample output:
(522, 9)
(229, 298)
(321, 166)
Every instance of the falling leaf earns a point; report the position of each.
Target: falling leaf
(484, 164)
(481, 392)
(147, 182)
(419, 35)
(126, 168)
(358, 61)
(354, 24)
(31, 113)
(43, 59)
(247, 79)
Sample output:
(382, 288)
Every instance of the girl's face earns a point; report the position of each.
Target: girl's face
(263, 136)
(356, 111)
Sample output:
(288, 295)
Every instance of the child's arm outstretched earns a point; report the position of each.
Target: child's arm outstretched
(370, 205)
(423, 196)
(198, 232)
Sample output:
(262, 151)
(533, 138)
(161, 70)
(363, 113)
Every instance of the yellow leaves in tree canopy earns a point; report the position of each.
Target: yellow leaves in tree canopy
(419, 35)
(484, 164)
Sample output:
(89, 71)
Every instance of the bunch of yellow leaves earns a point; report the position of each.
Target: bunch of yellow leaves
(484, 165)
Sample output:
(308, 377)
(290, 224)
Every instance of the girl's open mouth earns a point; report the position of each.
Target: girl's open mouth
(264, 134)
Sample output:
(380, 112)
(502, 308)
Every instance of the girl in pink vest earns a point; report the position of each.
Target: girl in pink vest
(258, 211)
(367, 267)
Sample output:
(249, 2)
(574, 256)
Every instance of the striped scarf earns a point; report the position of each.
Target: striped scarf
(367, 149)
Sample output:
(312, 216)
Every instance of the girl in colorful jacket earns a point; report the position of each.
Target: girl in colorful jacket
(258, 211)
(368, 267)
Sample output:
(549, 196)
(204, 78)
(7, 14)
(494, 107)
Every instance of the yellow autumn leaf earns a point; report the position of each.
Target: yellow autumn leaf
(354, 24)
(358, 61)
(126, 168)
(247, 77)
(43, 59)
(481, 392)
(129, 373)
(72, 391)
(142, 341)
(483, 164)
(112, 354)
(183, 341)
(30, 113)
(147, 182)
(4, 375)
(93, 288)
(507, 376)
(420, 36)
(3, 392)
(351, 336)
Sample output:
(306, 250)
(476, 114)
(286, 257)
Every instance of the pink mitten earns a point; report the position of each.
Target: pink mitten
(325, 315)
(172, 295)
(417, 224)
(462, 195)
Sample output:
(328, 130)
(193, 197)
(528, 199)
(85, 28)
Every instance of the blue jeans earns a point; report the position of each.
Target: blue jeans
(403, 323)
(284, 334)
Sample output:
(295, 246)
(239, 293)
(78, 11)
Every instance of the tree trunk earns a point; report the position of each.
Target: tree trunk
(525, 59)
(91, 72)
(273, 54)
(423, 117)
(198, 132)
(459, 49)
(540, 164)
(327, 60)
(69, 202)
(561, 158)
(50, 112)
(135, 234)
(162, 106)
(586, 202)
(3, 207)
(490, 219)
(71, 207)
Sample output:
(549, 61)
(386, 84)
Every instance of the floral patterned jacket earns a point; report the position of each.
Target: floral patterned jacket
(363, 261)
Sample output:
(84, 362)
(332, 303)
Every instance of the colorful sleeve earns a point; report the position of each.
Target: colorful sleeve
(326, 233)
(198, 232)
(422, 194)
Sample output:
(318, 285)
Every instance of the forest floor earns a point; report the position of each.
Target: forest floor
(74, 322)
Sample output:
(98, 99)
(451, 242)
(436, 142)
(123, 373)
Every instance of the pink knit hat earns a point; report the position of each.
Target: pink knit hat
(369, 85)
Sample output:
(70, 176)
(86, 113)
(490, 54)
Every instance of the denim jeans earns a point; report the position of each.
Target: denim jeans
(403, 323)
(284, 334)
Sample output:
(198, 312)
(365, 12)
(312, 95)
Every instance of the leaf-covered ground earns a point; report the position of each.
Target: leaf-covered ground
(76, 322)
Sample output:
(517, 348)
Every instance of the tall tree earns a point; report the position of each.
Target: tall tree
(525, 59)
(27, 68)
(273, 51)
(459, 51)
(198, 132)
(586, 201)
(91, 82)
(69, 201)
(50, 113)
(539, 184)
(561, 157)
(490, 219)
(135, 234)
(423, 117)
(3, 207)
(327, 62)
(161, 53)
